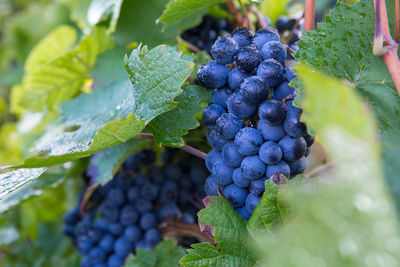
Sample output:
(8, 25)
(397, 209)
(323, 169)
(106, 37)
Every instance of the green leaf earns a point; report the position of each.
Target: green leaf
(166, 254)
(100, 8)
(117, 111)
(230, 234)
(169, 127)
(157, 76)
(104, 164)
(334, 214)
(343, 47)
(8, 234)
(179, 9)
(58, 74)
(272, 210)
(274, 9)
(10, 181)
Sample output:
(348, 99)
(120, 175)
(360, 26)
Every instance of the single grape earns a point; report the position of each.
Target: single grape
(216, 139)
(254, 90)
(272, 112)
(248, 141)
(275, 50)
(293, 148)
(224, 49)
(122, 247)
(213, 75)
(271, 132)
(235, 78)
(129, 215)
(244, 213)
(115, 197)
(143, 205)
(281, 24)
(228, 125)
(222, 173)
(211, 113)
(115, 261)
(148, 220)
(251, 202)
(149, 191)
(231, 156)
(282, 91)
(309, 139)
(281, 167)
(270, 153)
(239, 107)
(210, 186)
(253, 167)
(235, 194)
(97, 254)
(211, 158)
(290, 75)
(115, 228)
(265, 35)
(220, 96)
(239, 179)
(133, 194)
(152, 236)
(248, 58)
(292, 124)
(257, 187)
(271, 71)
(243, 36)
(107, 243)
(298, 166)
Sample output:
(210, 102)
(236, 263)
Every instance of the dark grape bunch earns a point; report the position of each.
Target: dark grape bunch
(126, 212)
(254, 129)
(204, 35)
(285, 25)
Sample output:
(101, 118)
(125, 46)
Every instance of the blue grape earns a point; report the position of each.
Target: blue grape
(140, 179)
(298, 166)
(271, 132)
(115, 261)
(220, 96)
(253, 167)
(248, 141)
(73, 216)
(254, 90)
(244, 213)
(211, 158)
(248, 58)
(292, 124)
(172, 172)
(251, 202)
(216, 139)
(86, 262)
(144, 245)
(228, 125)
(129, 215)
(115, 197)
(122, 246)
(100, 264)
(235, 194)
(231, 156)
(239, 107)
(270, 153)
(235, 78)
(290, 75)
(213, 75)
(243, 36)
(222, 173)
(188, 218)
(257, 187)
(224, 49)
(308, 152)
(94, 234)
(152, 236)
(149, 191)
(84, 245)
(148, 220)
(97, 254)
(272, 111)
(239, 179)
(133, 163)
(309, 139)
(115, 228)
(169, 209)
(211, 113)
(143, 205)
(133, 194)
(271, 71)
(122, 180)
(282, 91)
(210, 186)
(295, 37)
(281, 24)
(281, 167)
(275, 50)
(265, 35)
(169, 192)
(107, 243)
(109, 213)
(293, 148)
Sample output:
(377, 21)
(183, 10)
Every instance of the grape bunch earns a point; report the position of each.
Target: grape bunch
(252, 125)
(126, 212)
(204, 35)
(285, 25)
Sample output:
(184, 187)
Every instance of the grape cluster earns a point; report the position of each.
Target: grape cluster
(284, 25)
(204, 35)
(253, 127)
(126, 212)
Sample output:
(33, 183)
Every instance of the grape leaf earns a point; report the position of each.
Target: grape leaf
(169, 127)
(156, 82)
(10, 181)
(230, 234)
(54, 73)
(333, 214)
(179, 9)
(272, 210)
(104, 164)
(166, 254)
(100, 8)
(111, 115)
(342, 46)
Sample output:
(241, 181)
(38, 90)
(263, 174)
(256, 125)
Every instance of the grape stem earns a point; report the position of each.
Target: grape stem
(187, 148)
(246, 15)
(260, 18)
(177, 229)
(309, 15)
(384, 45)
(293, 29)
(397, 20)
(230, 6)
